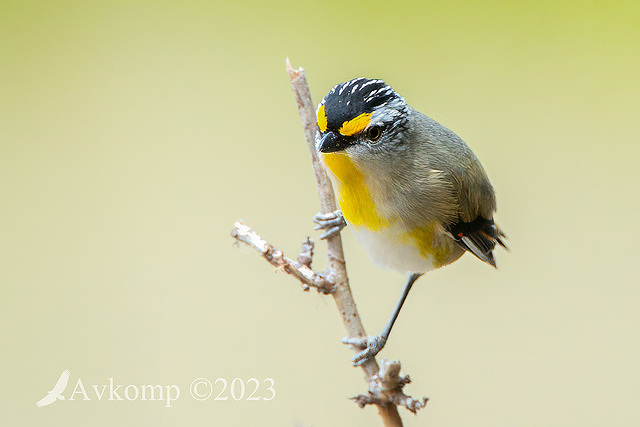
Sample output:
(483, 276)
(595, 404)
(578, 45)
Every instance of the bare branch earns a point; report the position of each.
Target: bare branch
(344, 299)
(299, 270)
(337, 266)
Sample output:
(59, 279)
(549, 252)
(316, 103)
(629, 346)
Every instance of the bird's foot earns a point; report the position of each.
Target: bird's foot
(332, 222)
(371, 346)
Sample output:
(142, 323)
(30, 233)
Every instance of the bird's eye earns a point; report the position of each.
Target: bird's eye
(374, 132)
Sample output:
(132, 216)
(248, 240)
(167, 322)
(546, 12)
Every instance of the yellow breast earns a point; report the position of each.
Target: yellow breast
(355, 199)
(388, 243)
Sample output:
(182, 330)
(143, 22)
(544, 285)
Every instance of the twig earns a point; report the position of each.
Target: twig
(299, 269)
(385, 384)
(342, 294)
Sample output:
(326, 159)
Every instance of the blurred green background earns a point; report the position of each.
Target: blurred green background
(133, 135)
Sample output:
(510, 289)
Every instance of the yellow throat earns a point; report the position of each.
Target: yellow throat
(357, 205)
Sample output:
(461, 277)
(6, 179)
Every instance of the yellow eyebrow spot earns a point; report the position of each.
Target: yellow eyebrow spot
(322, 119)
(355, 125)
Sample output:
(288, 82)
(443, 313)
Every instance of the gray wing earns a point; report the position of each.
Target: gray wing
(471, 225)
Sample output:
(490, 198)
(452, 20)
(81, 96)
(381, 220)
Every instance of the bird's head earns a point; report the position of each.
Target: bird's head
(361, 117)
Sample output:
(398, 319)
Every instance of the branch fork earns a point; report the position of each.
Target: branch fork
(386, 388)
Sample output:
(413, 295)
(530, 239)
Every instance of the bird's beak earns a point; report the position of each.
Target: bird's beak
(330, 142)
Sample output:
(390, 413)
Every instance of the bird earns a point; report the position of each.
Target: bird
(413, 193)
(56, 391)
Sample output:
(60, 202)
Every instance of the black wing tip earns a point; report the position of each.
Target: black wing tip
(492, 261)
(479, 237)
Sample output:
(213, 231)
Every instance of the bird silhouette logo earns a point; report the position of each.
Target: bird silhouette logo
(56, 391)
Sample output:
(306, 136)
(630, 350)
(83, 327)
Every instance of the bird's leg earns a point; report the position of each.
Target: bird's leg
(333, 222)
(373, 344)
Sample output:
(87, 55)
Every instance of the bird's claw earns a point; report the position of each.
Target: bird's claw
(371, 346)
(333, 222)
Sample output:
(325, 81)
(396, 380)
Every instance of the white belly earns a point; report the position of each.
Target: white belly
(387, 250)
